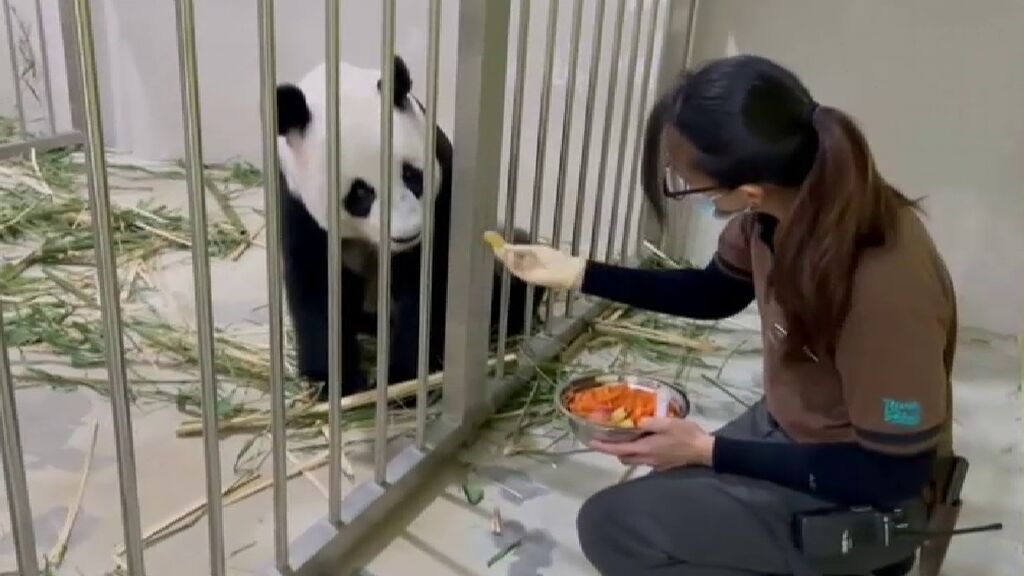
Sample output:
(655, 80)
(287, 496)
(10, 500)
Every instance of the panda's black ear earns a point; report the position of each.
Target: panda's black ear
(292, 110)
(403, 83)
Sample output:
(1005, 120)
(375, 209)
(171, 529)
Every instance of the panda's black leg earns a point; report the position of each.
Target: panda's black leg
(404, 353)
(353, 379)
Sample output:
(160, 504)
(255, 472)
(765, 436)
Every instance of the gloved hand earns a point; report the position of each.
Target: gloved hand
(542, 265)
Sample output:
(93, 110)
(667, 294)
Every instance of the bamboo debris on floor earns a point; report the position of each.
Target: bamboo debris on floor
(48, 292)
(261, 419)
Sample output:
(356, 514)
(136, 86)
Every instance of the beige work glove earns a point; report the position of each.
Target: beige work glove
(542, 265)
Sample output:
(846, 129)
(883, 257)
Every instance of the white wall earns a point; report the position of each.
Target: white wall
(938, 87)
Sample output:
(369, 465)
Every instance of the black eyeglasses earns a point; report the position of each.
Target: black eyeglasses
(675, 186)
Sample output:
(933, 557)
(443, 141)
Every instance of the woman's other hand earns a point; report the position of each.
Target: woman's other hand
(672, 443)
(542, 265)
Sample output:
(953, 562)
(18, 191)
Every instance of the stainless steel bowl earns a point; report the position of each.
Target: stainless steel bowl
(585, 431)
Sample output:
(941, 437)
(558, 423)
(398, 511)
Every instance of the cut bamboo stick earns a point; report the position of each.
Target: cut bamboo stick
(309, 475)
(194, 427)
(56, 555)
(624, 329)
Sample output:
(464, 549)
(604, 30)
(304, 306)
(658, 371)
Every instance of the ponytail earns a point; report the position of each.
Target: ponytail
(843, 207)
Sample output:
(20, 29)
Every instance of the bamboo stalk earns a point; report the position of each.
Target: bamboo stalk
(56, 555)
(346, 465)
(184, 519)
(234, 494)
(624, 329)
(193, 427)
(309, 475)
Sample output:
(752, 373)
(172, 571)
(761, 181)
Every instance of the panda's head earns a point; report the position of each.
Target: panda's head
(302, 149)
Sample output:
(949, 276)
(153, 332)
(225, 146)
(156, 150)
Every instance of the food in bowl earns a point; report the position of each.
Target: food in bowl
(616, 404)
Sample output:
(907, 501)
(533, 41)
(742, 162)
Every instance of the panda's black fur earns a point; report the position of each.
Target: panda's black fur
(306, 274)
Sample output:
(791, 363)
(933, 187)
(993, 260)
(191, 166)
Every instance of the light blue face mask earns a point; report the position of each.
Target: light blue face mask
(706, 205)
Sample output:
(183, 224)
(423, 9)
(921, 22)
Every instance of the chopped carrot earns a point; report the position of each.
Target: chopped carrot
(603, 404)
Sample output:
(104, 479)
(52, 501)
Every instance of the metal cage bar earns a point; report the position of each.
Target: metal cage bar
(478, 132)
(606, 134)
(676, 54)
(332, 62)
(44, 56)
(15, 69)
(18, 504)
(641, 111)
(644, 224)
(188, 74)
(588, 125)
(542, 146)
(387, 109)
(427, 260)
(99, 200)
(563, 159)
(634, 49)
(69, 36)
(512, 182)
(272, 192)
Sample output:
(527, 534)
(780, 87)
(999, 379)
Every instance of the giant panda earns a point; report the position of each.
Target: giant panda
(302, 151)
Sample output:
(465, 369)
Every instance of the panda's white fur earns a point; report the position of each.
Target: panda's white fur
(303, 155)
(303, 175)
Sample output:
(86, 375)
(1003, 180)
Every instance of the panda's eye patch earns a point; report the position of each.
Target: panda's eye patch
(360, 198)
(412, 177)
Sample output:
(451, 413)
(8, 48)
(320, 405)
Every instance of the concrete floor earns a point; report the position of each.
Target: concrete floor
(439, 533)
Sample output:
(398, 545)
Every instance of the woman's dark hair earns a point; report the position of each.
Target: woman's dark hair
(752, 121)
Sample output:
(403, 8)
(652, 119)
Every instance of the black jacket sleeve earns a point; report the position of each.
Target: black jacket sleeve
(844, 473)
(702, 294)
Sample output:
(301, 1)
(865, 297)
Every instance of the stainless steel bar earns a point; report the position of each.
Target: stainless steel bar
(99, 200)
(278, 431)
(691, 29)
(69, 37)
(641, 110)
(588, 124)
(188, 74)
(480, 92)
(644, 222)
(44, 56)
(334, 262)
(427, 261)
(542, 146)
(512, 182)
(606, 134)
(563, 156)
(676, 53)
(627, 103)
(387, 91)
(18, 504)
(12, 47)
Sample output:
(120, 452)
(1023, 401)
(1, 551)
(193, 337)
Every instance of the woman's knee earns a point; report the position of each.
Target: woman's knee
(593, 523)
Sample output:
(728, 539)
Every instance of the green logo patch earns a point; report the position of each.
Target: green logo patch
(900, 413)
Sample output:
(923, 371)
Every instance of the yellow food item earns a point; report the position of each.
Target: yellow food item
(619, 415)
(627, 423)
(494, 239)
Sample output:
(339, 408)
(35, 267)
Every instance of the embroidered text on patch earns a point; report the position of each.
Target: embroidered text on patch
(901, 413)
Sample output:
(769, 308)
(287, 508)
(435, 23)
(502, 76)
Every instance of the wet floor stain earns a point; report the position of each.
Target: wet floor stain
(516, 486)
(534, 552)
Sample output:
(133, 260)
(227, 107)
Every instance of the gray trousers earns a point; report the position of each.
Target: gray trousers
(695, 522)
